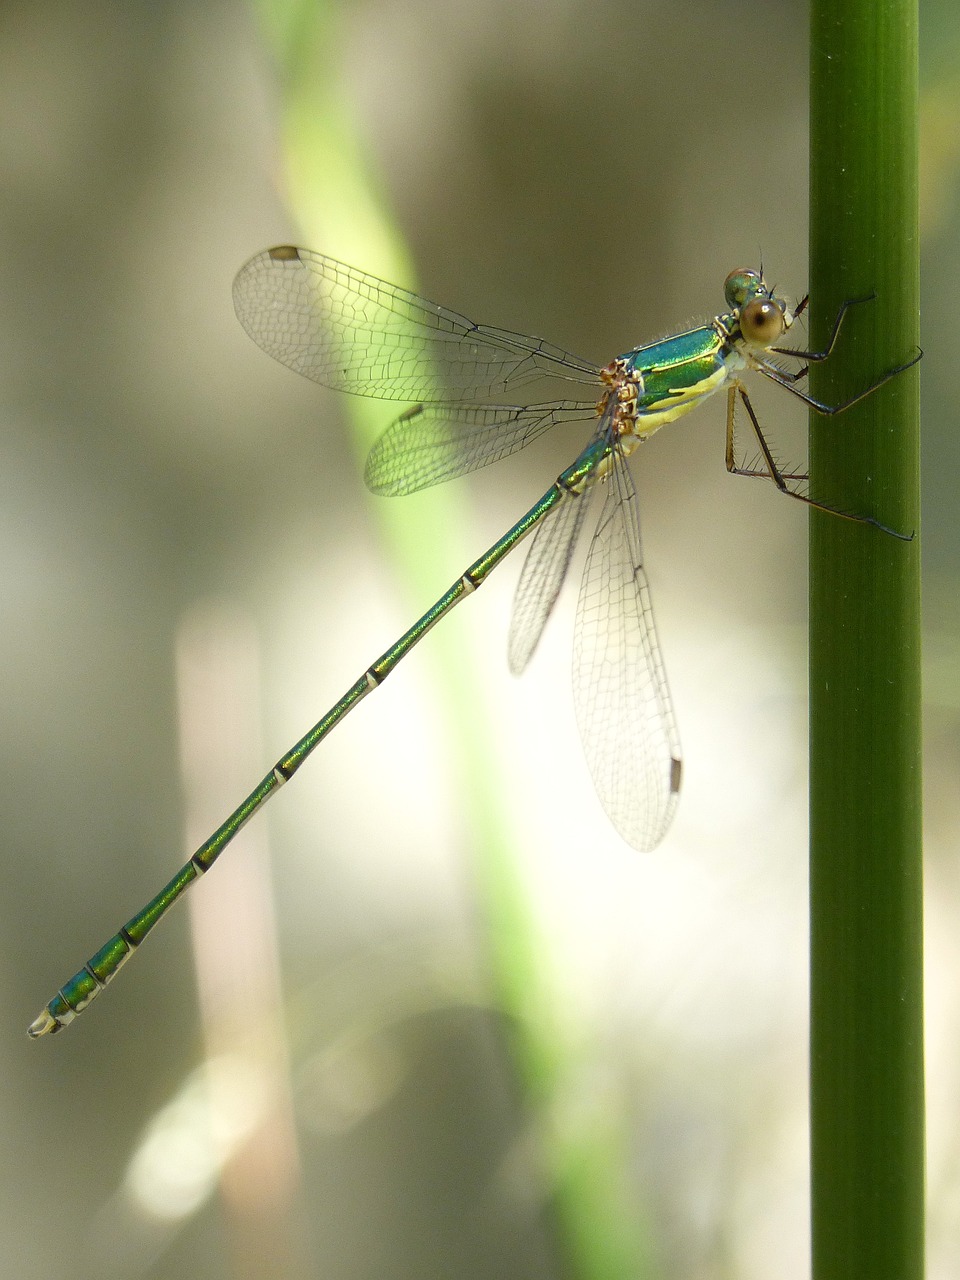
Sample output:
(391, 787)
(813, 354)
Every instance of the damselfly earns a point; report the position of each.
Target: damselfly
(353, 332)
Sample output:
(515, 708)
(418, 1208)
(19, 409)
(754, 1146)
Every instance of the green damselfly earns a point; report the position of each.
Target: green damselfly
(352, 332)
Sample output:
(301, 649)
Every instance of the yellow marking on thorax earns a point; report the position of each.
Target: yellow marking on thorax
(675, 406)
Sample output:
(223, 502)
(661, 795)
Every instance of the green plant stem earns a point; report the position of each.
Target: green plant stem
(867, 1141)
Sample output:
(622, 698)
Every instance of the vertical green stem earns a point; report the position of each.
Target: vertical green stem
(867, 1145)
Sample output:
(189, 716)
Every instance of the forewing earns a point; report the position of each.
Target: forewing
(350, 331)
(620, 690)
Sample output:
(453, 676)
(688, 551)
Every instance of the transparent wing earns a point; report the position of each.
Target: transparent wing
(620, 689)
(434, 442)
(350, 331)
(542, 577)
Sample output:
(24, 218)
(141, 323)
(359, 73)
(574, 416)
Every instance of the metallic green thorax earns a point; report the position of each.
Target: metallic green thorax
(685, 365)
(668, 378)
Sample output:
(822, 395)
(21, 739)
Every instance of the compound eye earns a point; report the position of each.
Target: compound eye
(741, 285)
(761, 322)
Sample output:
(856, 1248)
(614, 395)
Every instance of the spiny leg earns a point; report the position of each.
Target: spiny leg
(788, 380)
(792, 377)
(756, 473)
(777, 476)
(829, 410)
(832, 341)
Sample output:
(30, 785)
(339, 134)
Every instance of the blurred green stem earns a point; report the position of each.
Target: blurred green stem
(867, 1140)
(333, 197)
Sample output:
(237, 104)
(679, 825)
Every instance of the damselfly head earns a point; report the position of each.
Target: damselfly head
(761, 316)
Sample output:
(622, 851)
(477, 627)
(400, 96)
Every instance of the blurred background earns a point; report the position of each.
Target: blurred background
(330, 1080)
